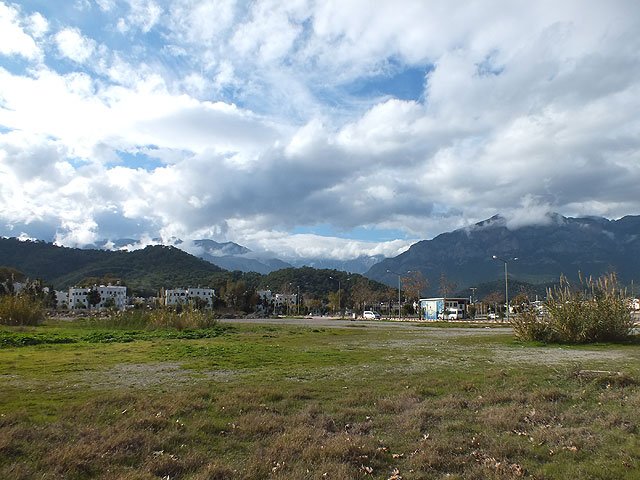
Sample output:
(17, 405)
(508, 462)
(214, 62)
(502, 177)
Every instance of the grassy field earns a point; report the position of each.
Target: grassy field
(286, 402)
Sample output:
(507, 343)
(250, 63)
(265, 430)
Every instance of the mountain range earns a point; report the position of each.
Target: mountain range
(231, 256)
(234, 257)
(463, 258)
(545, 250)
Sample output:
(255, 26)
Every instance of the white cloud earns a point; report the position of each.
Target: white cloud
(38, 26)
(13, 38)
(143, 14)
(73, 45)
(244, 121)
(201, 22)
(106, 5)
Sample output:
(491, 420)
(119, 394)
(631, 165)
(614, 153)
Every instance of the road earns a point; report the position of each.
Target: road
(332, 322)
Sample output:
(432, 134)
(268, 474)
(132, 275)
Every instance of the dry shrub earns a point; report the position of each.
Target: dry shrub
(398, 403)
(443, 454)
(12, 441)
(501, 418)
(550, 394)
(596, 311)
(17, 471)
(180, 319)
(20, 310)
(216, 471)
(163, 464)
(80, 459)
(262, 424)
(186, 318)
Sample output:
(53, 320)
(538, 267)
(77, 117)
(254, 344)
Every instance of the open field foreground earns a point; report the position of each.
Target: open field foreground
(257, 401)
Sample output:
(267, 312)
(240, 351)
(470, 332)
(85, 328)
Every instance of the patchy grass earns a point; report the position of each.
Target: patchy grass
(288, 402)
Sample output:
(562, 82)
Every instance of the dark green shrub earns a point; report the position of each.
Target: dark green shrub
(20, 310)
(594, 312)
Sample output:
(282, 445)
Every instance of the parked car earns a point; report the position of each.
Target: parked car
(492, 316)
(370, 315)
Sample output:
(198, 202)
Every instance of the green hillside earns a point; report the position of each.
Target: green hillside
(144, 271)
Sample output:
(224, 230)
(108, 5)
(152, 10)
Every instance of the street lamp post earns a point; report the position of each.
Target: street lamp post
(298, 301)
(506, 281)
(399, 275)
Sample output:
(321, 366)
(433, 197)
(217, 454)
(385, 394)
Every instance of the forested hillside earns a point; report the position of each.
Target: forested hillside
(143, 271)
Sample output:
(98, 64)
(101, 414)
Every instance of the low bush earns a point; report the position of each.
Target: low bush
(20, 310)
(161, 318)
(596, 311)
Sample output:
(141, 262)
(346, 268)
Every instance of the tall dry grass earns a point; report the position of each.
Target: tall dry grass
(20, 310)
(595, 311)
(160, 318)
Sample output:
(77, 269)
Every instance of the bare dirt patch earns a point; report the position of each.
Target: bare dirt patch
(553, 356)
(145, 375)
(127, 375)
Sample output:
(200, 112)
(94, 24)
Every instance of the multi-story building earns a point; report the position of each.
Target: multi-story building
(182, 296)
(62, 299)
(116, 292)
(285, 299)
(264, 295)
(78, 297)
(110, 295)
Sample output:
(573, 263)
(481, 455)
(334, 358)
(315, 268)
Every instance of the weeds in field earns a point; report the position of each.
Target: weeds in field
(596, 311)
(159, 318)
(301, 411)
(20, 310)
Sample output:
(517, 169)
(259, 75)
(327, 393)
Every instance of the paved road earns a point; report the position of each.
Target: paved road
(329, 322)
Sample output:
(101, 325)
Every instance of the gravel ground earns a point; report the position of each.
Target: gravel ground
(334, 322)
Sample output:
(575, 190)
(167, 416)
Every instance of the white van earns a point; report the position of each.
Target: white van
(370, 315)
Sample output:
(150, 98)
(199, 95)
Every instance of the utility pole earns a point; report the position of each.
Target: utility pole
(506, 281)
(399, 275)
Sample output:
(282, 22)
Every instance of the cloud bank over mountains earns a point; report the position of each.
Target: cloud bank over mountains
(313, 128)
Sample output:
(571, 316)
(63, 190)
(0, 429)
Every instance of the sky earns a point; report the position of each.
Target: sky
(329, 128)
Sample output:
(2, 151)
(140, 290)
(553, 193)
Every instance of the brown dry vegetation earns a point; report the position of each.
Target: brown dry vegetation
(295, 417)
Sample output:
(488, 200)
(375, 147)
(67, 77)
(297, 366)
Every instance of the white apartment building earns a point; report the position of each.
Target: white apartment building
(77, 297)
(181, 296)
(116, 292)
(264, 295)
(62, 298)
(283, 299)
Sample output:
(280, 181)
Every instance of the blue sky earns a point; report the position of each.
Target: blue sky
(304, 128)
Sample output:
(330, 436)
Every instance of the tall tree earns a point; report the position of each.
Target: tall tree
(93, 297)
(334, 301)
(446, 287)
(414, 284)
(361, 294)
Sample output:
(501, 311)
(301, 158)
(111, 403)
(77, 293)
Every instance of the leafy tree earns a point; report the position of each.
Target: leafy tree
(110, 303)
(93, 297)
(50, 300)
(334, 301)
